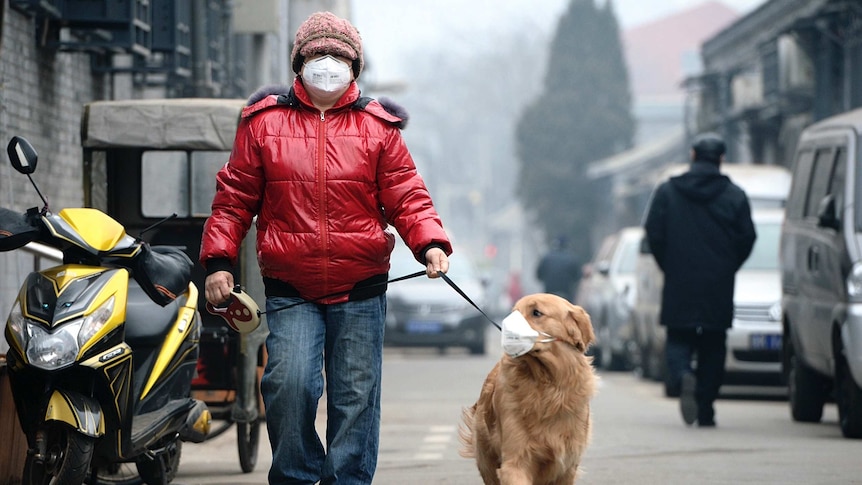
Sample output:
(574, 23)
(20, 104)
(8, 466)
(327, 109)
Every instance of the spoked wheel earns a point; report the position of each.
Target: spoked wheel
(161, 469)
(218, 430)
(115, 474)
(248, 437)
(66, 457)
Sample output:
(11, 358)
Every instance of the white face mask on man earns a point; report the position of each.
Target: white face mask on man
(326, 74)
(518, 337)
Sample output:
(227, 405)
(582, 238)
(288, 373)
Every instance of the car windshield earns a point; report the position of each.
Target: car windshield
(764, 256)
(629, 256)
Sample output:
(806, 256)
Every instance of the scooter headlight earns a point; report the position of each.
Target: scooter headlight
(95, 321)
(52, 350)
(18, 326)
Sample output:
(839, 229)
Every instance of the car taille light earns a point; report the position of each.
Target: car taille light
(854, 282)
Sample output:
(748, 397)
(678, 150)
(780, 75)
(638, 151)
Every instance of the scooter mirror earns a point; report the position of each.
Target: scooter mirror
(22, 155)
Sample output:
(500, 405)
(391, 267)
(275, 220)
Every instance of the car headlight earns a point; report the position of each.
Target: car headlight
(775, 312)
(854, 282)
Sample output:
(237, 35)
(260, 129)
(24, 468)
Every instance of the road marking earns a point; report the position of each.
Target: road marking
(435, 443)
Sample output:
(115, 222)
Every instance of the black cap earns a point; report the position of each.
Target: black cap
(708, 147)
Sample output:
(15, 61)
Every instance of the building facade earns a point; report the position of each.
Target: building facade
(775, 71)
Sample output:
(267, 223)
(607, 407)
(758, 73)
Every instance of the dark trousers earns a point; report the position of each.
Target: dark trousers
(709, 348)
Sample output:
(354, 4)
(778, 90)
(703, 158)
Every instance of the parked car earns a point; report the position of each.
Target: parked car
(766, 186)
(754, 341)
(821, 273)
(424, 312)
(607, 293)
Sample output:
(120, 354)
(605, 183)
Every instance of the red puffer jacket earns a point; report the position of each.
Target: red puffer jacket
(324, 188)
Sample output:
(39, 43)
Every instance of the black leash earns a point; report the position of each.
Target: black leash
(394, 280)
(339, 293)
(464, 295)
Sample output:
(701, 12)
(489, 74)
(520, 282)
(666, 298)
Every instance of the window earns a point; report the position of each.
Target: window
(205, 165)
(821, 174)
(629, 256)
(180, 182)
(764, 255)
(799, 187)
(164, 184)
(839, 174)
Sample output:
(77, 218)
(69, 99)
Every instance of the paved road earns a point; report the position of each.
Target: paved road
(638, 438)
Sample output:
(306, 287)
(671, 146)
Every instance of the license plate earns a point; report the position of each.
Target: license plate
(761, 341)
(418, 326)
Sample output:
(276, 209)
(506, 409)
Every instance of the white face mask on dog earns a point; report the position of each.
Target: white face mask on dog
(518, 337)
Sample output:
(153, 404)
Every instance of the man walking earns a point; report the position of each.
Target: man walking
(700, 232)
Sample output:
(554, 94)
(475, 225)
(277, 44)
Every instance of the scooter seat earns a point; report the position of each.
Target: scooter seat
(147, 322)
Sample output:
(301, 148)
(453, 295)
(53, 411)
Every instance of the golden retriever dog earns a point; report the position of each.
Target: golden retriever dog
(531, 423)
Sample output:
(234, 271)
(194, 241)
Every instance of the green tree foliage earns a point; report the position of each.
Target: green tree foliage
(583, 115)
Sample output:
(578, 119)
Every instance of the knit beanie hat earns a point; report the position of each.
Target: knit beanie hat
(326, 33)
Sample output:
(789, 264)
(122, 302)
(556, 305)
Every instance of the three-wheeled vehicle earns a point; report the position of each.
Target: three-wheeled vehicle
(148, 160)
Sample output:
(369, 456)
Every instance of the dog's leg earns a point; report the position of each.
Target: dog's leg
(489, 475)
(510, 474)
(568, 478)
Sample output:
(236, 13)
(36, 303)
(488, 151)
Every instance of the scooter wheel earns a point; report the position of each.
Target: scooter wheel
(67, 458)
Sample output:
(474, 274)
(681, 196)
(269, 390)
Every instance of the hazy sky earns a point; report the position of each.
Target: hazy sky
(390, 28)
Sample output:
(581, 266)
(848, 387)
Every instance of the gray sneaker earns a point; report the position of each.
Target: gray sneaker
(687, 400)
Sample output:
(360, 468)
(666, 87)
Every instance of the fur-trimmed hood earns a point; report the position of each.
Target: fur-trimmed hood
(282, 94)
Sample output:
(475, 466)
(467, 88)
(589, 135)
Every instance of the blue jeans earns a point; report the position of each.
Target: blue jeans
(346, 341)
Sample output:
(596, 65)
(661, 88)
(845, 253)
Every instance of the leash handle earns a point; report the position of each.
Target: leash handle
(464, 295)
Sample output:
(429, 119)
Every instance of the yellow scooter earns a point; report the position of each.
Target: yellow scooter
(103, 348)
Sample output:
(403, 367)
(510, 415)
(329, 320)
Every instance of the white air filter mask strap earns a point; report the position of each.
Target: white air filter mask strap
(518, 337)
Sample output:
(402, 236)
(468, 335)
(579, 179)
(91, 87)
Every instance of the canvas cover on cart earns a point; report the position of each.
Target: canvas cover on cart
(187, 123)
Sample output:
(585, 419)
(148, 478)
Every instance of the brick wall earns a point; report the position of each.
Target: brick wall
(42, 94)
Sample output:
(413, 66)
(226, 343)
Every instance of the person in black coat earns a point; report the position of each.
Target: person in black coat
(700, 232)
(559, 270)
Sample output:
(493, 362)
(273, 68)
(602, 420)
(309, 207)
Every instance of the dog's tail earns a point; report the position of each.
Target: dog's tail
(465, 433)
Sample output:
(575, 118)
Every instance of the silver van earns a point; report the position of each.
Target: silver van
(821, 274)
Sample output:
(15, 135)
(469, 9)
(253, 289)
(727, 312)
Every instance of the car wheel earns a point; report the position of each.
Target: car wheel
(644, 361)
(849, 399)
(806, 390)
(612, 361)
(605, 359)
(655, 365)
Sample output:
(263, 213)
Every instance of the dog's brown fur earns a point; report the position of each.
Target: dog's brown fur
(531, 423)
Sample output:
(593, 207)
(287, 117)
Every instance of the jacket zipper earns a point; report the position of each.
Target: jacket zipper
(321, 177)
